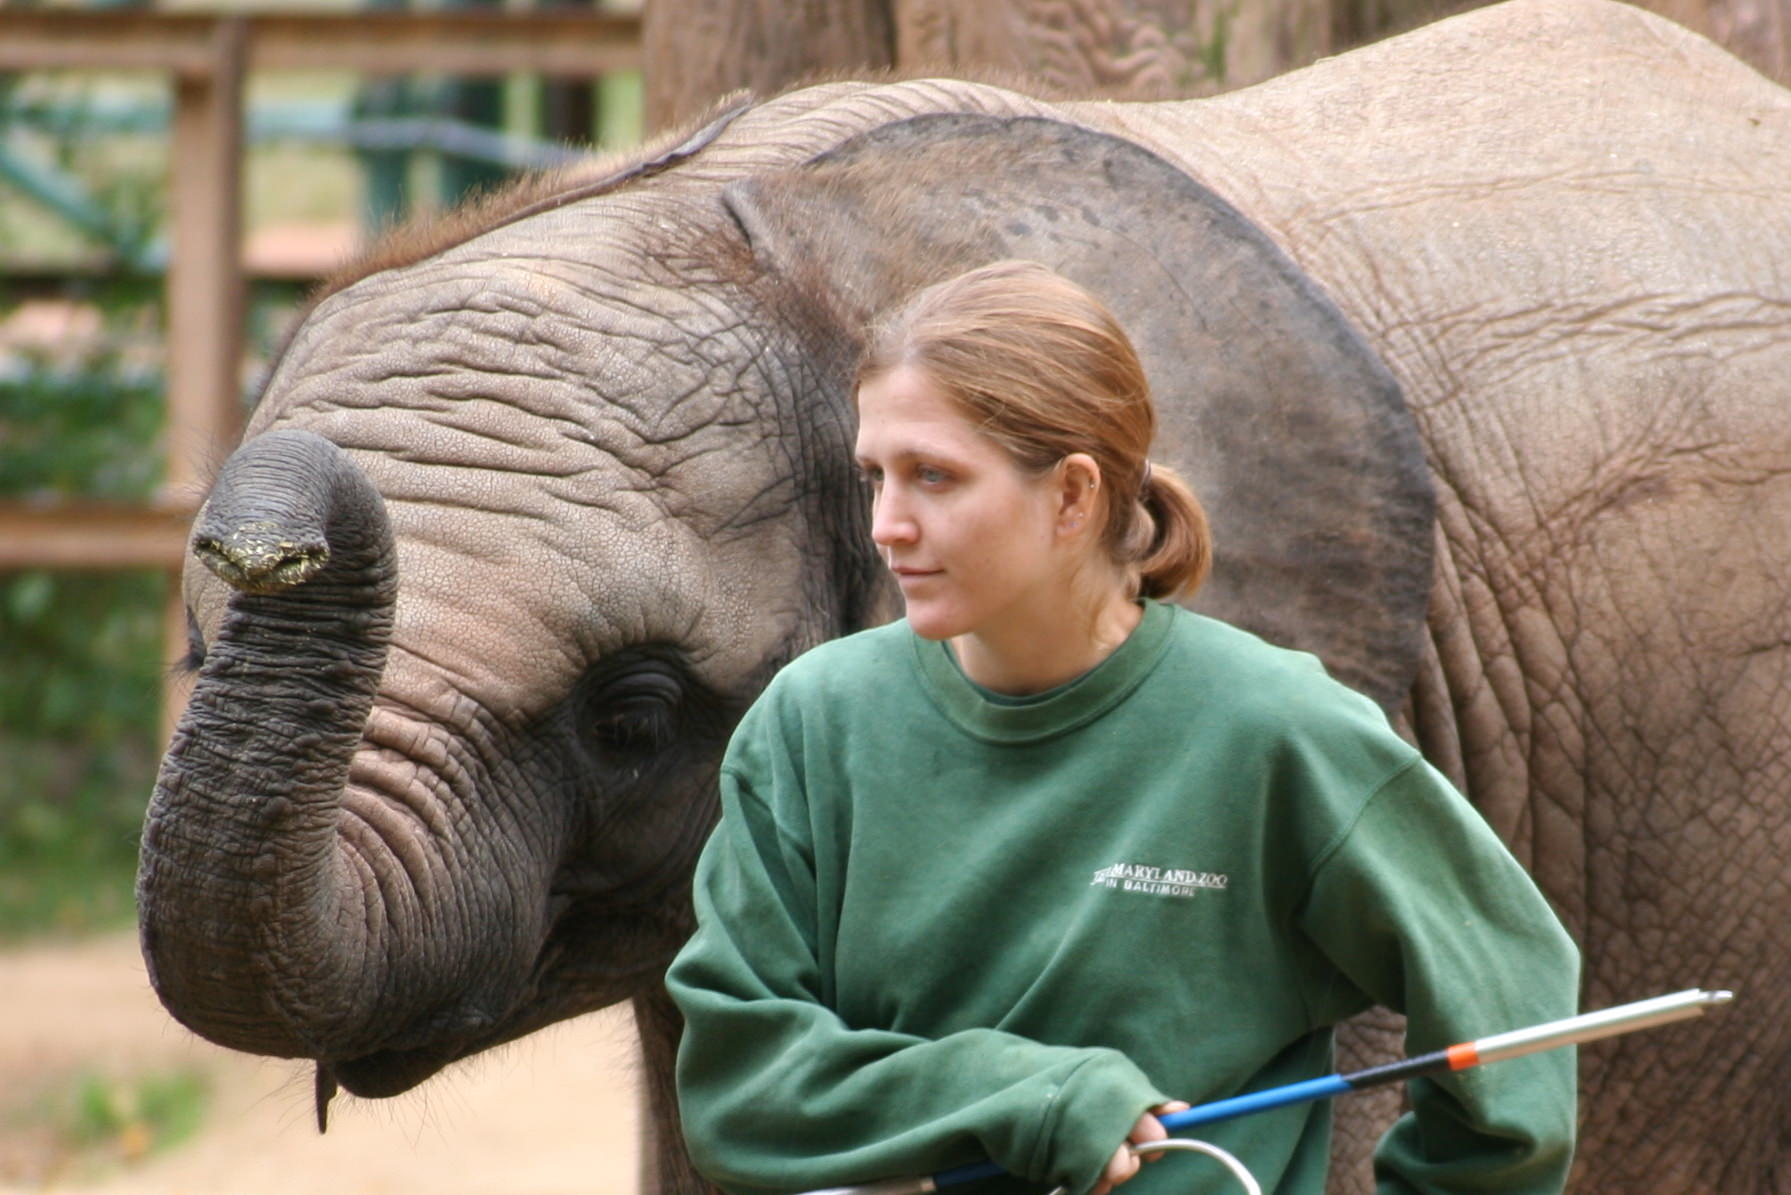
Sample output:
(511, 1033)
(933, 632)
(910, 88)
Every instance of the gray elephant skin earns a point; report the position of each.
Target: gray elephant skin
(1477, 343)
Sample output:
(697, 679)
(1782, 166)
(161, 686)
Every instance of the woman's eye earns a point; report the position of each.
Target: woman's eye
(928, 475)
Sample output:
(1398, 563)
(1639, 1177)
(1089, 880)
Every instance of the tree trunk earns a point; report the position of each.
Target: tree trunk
(697, 51)
(1756, 31)
(1116, 49)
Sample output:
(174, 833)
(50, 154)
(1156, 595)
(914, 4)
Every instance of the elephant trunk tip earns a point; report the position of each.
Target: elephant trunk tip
(261, 557)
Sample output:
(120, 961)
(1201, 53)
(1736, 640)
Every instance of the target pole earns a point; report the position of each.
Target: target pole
(1569, 1031)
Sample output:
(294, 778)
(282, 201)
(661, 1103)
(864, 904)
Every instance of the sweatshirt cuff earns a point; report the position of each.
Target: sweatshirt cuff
(1089, 1116)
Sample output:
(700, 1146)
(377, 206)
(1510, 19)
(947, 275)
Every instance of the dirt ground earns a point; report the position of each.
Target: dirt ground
(551, 1115)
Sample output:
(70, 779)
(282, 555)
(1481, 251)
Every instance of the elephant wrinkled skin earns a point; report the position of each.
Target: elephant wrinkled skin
(1477, 343)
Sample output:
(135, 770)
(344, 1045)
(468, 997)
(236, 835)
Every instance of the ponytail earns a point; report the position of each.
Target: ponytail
(1176, 545)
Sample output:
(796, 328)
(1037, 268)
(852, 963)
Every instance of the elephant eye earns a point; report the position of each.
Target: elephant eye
(639, 726)
(634, 711)
(640, 712)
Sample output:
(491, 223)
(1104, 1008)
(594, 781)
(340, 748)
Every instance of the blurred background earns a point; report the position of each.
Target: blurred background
(116, 206)
(174, 179)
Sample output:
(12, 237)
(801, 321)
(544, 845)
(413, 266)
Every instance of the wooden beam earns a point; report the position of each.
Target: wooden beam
(51, 39)
(551, 42)
(577, 45)
(91, 535)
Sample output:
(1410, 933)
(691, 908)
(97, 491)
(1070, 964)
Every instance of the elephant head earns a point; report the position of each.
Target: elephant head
(514, 535)
(522, 525)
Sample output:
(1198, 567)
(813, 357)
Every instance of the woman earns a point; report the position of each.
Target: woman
(999, 879)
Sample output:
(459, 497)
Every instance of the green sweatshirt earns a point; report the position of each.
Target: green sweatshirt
(938, 924)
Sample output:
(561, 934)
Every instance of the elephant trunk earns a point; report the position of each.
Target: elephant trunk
(257, 933)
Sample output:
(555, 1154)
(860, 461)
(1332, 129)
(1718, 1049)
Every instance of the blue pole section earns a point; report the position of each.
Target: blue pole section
(1257, 1101)
(1238, 1105)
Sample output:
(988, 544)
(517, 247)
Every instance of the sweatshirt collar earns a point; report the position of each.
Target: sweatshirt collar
(998, 718)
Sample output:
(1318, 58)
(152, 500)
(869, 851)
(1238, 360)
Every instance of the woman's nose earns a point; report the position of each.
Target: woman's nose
(890, 522)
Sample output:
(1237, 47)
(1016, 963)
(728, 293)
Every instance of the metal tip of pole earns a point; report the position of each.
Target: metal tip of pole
(1722, 997)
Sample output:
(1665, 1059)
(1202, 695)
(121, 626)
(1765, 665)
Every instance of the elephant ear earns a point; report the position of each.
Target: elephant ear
(1291, 431)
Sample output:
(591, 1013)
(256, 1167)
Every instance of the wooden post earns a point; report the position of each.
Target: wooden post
(206, 293)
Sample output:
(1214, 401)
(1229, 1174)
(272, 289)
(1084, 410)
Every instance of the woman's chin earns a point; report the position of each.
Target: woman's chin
(929, 632)
(930, 622)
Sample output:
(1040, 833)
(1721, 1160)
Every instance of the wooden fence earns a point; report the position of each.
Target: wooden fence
(208, 57)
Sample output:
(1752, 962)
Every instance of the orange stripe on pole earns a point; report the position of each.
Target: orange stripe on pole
(1463, 1056)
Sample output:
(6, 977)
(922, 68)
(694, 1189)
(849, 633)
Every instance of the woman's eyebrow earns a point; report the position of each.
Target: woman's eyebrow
(915, 449)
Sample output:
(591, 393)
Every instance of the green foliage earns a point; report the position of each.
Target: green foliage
(78, 191)
(82, 429)
(81, 658)
(155, 1110)
(80, 654)
(80, 417)
(83, 1125)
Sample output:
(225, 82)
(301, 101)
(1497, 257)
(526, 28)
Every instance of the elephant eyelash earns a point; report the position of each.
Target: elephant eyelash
(189, 664)
(636, 731)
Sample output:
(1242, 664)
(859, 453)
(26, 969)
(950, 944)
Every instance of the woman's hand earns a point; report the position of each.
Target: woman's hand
(1124, 1163)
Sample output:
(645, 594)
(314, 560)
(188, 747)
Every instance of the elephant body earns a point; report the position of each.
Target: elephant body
(1476, 343)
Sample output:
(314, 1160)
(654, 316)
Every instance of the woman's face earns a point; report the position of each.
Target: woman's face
(971, 539)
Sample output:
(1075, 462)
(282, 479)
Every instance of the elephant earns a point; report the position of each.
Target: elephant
(1476, 344)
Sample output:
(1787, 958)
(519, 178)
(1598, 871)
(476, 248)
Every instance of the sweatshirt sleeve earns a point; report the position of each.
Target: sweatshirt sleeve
(1422, 906)
(777, 1093)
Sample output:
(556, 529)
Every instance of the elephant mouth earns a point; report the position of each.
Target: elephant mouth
(396, 1068)
(562, 986)
(384, 1073)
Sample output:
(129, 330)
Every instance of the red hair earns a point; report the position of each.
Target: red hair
(1044, 369)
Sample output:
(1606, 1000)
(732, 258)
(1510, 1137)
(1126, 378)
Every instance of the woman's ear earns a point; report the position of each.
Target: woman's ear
(1078, 492)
